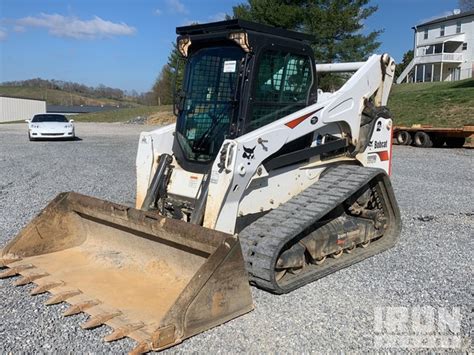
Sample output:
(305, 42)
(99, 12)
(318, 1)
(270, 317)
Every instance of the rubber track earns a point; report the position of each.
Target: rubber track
(263, 240)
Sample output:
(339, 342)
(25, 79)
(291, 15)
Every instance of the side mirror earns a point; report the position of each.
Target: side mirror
(27, 121)
(71, 121)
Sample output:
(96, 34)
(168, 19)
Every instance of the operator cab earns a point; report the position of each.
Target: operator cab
(239, 76)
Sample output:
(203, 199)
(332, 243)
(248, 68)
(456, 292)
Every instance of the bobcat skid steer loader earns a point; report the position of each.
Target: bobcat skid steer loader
(263, 179)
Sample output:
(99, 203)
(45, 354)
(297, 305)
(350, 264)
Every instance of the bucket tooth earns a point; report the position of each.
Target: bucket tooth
(28, 279)
(122, 332)
(80, 307)
(61, 297)
(8, 259)
(99, 320)
(141, 348)
(45, 287)
(14, 271)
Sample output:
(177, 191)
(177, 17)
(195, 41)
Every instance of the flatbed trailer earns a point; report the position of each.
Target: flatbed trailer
(427, 136)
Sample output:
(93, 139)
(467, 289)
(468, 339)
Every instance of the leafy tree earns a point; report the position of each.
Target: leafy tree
(407, 58)
(162, 89)
(171, 74)
(337, 27)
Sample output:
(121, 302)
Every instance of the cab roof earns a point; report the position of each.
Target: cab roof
(238, 24)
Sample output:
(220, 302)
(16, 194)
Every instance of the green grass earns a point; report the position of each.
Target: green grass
(446, 104)
(121, 115)
(59, 97)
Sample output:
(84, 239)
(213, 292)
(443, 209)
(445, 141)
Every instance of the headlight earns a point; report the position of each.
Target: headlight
(34, 126)
(68, 126)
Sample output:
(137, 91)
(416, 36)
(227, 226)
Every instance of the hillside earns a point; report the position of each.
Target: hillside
(60, 97)
(150, 114)
(446, 104)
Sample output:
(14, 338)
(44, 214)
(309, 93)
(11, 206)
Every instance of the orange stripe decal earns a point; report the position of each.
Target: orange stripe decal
(384, 156)
(293, 123)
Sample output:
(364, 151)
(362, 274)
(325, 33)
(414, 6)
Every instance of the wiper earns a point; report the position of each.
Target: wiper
(213, 126)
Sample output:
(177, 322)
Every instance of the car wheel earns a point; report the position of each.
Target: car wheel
(29, 138)
(404, 138)
(423, 140)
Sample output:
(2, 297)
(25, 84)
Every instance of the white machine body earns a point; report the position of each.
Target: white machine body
(239, 183)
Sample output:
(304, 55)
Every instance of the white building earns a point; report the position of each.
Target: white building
(443, 50)
(16, 109)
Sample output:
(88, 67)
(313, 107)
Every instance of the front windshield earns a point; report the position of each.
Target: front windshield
(211, 80)
(49, 118)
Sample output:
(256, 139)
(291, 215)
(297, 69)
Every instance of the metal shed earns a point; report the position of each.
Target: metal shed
(16, 108)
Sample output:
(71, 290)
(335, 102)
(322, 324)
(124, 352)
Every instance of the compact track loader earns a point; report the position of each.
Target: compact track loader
(263, 178)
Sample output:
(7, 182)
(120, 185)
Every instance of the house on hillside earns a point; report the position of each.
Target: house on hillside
(443, 50)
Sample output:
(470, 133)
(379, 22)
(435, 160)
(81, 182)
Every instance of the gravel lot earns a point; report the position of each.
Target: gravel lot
(429, 267)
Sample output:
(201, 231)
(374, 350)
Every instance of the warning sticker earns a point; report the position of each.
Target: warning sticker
(229, 66)
(193, 182)
(214, 177)
(371, 158)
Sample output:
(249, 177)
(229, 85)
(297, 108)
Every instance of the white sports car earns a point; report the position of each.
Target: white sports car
(50, 126)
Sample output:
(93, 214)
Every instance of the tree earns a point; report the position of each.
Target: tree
(407, 58)
(337, 26)
(162, 89)
(170, 78)
(466, 5)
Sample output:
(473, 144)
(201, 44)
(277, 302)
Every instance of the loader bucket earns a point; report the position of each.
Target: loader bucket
(152, 279)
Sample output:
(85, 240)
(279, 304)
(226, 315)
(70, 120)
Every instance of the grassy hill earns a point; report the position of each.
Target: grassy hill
(152, 114)
(446, 104)
(60, 97)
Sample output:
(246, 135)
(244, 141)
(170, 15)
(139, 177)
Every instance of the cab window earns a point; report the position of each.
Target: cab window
(282, 85)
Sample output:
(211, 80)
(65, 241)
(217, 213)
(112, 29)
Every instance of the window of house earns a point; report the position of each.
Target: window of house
(282, 86)
(458, 27)
(464, 46)
(441, 31)
(425, 35)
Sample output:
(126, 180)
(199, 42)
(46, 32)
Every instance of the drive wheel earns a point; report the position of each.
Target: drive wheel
(455, 142)
(404, 138)
(29, 138)
(423, 140)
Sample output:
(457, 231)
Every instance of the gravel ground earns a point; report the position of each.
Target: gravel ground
(431, 265)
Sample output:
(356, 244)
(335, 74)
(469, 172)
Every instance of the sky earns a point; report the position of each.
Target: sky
(123, 44)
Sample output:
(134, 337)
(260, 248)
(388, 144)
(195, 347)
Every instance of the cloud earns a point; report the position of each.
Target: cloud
(19, 29)
(158, 12)
(177, 6)
(3, 34)
(73, 27)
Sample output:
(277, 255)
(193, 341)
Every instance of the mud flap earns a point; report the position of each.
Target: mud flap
(155, 280)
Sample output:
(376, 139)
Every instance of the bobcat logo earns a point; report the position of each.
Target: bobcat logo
(379, 126)
(248, 153)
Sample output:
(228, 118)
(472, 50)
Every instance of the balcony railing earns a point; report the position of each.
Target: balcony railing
(440, 57)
